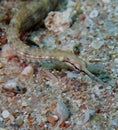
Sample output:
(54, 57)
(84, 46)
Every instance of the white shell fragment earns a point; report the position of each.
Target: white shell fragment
(59, 21)
(12, 86)
(27, 71)
(94, 14)
(106, 1)
(5, 114)
(9, 85)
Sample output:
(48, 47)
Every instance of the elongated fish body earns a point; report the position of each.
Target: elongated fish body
(28, 16)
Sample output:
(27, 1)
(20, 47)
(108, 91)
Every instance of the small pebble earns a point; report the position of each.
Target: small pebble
(72, 75)
(111, 28)
(114, 123)
(19, 121)
(116, 62)
(88, 115)
(24, 103)
(116, 11)
(3, 40)
(65, 125)
(5, 114)
(89, 21)
(1, 65)
(97, 44)
(36, 39)
(8, 52)
(52, 119)
(41, 125)
(62, 111)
